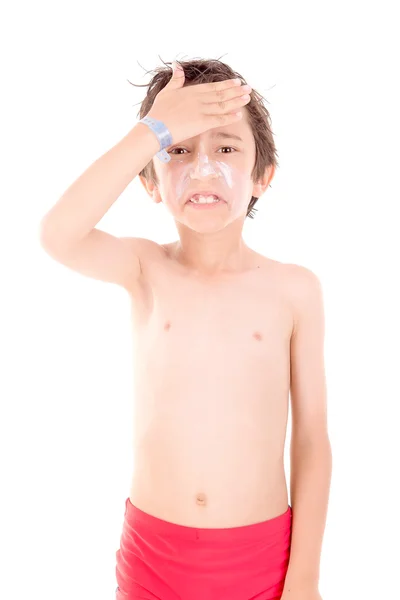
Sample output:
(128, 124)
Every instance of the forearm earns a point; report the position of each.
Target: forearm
(311, 469)
(88, 199)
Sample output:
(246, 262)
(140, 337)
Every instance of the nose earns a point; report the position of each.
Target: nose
(202, 168)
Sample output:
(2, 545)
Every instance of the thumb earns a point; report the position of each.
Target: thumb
(178, 76)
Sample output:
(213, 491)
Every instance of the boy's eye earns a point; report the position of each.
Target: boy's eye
(223, 147)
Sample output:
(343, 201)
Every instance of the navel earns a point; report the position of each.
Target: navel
(201, 499)
(167, 326)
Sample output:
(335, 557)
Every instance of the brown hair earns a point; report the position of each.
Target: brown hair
(208, 71)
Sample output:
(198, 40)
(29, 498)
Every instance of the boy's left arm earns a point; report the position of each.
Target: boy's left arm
(310, 449)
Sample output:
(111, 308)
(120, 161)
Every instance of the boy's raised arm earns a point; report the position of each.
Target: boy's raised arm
(88, 199)
(186, 113)
(67, 231)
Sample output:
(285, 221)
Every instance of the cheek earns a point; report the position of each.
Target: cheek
(179, 180)
(173, 182)
(238, 184)
(233, 177)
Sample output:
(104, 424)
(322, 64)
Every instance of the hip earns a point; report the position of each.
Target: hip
(175, 562)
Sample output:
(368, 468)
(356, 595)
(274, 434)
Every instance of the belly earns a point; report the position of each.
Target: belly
(208, 459)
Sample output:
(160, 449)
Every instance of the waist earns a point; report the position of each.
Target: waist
(215, 499)
(259, 530)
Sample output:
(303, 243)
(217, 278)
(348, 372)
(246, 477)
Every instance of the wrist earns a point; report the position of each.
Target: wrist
(162, 134)
(147, 138)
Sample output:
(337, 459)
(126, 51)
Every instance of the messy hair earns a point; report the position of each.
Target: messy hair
(208, 71)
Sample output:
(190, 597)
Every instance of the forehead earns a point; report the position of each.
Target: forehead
(240, 131)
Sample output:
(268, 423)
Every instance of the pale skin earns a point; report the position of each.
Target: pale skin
(236, 333)
(210, 376)
(222, 336)
(209, 383)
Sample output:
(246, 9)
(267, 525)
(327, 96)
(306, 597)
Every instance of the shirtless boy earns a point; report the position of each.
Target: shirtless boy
(223, 336)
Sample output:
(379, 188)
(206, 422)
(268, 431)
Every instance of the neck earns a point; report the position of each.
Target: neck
(212, 254)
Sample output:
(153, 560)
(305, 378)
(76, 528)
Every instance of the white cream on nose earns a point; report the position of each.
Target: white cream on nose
(203, 167)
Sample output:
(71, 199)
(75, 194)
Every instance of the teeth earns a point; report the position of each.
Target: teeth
(205, 200)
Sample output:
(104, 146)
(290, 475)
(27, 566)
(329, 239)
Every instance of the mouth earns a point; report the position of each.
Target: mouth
(204, 198)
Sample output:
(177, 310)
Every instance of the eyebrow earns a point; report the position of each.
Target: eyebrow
(222, 134)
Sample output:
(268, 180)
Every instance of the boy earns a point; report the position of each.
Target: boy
(222, 335)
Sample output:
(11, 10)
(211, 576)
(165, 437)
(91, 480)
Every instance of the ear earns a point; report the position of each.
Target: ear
(151, 189)
(148, 185)
(260, 187)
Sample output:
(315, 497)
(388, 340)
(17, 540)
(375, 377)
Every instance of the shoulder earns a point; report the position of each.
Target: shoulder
(301, 279)
(296, 279)
(305, 291)
(300, 288)
(138, 243)
(144, 248)
(150, 255)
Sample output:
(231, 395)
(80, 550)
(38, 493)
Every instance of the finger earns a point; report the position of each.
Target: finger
(221, 120)
(218, 108)
(225, 95)
(215, 86)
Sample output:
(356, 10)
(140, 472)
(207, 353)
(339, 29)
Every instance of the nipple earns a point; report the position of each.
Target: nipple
(201, 499)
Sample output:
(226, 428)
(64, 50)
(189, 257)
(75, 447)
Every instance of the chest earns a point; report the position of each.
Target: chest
(249, 320)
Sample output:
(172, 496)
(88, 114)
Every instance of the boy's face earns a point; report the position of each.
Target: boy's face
(214, 162)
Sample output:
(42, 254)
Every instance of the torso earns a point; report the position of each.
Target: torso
(211, 383)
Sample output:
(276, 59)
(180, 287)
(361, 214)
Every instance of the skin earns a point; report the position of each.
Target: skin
(211, 389)
(223, 335)
(225, 399)
(211, 242)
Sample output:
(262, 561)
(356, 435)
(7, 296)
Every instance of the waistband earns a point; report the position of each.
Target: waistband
(136, 517)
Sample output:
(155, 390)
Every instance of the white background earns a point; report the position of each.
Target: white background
(330, 75)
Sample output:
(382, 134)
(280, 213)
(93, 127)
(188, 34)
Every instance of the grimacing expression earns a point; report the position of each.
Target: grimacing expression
(218, 161)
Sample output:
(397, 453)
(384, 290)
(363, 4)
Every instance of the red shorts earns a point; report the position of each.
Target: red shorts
(159, 560)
